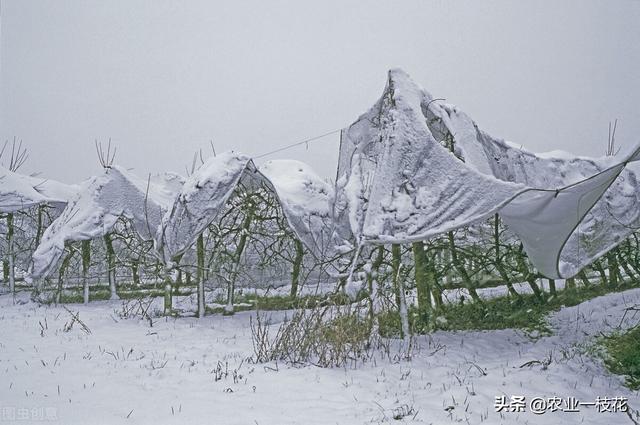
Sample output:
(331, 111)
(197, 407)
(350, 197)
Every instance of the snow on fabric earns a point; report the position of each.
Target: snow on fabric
(398, 183)
(615, 214)
(173, 212)
(304, 198)
(19, 192)
(410, 168)
(306, 201)
(96, 208)
(202, 197)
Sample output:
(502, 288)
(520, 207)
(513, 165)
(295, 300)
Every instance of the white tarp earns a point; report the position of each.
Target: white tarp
(615, 214)
(398, 183)
(304, 197)
(306, 201)
(99, 203)
(20, 192)
(173, 211)
(203, 195)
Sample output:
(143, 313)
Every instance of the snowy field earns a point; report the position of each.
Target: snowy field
(199, 371)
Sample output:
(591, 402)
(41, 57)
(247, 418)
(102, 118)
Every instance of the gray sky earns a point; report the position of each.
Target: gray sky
(162, 78)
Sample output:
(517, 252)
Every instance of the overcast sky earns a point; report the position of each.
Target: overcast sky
(162, 78)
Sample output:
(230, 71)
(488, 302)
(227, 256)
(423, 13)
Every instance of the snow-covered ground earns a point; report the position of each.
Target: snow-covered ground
(197, 371)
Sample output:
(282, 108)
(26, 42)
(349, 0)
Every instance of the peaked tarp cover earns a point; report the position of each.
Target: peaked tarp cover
(398, 183)
(613, 217)
(202, 197)
(173, 211)
(20, 192)
(304, 197)
(306, 201)
(99, 203)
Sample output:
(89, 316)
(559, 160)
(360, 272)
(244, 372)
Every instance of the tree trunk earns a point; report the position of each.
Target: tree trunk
(372, 284)
(111, 266)
(436, 286)
(603, 276)
(531, 280)
(552, 286)
(200, 274)
(86, 262)
(625, 266)
(5, 270)
(168, 293)
(11, 254)
(398, 288)
(446, 258)
(63, 268)
(404, 311)
(459, 266)
(632, 257)
(436, 292)
(231, 286)
(422, 279)
(39, 226)
(135, 271)
(498, 260)
(297, 265)
(526, 273)
(583, 277)
(614, 270)
(395, 267)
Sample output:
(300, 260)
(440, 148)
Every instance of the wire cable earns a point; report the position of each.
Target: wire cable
(293, 145)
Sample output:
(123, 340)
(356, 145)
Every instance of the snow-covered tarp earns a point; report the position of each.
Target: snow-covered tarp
(398, 181)
(410, 168)
(201, 198)
(614, 216)
(98, 205)
(173, 211)
(20, 192)
(306, 200)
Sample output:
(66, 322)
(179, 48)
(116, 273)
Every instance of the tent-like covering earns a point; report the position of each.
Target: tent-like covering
(199, 201)
(397, 182)
(410, 168)
(307, 202)
(614, 216)
(98, 204)
(173, 211)
(20, 192)
(304, 197)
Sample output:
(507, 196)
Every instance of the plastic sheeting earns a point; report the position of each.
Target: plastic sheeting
(307, 203)
(305, 200)
(410, 168)
(98, 205)
(20, 192)
(173, 211)
(397, 182)
(201, 198)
